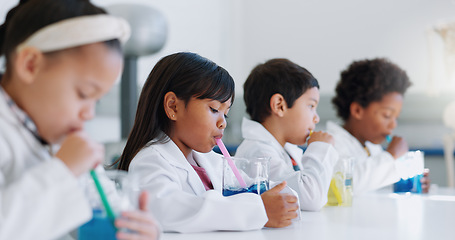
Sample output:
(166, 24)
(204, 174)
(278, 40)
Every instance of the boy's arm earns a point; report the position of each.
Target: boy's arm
(374, 172)
(313, 181)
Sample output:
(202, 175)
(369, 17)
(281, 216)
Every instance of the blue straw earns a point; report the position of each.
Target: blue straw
(388, 138)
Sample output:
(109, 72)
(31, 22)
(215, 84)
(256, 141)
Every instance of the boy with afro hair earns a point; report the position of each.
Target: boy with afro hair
(369, 98)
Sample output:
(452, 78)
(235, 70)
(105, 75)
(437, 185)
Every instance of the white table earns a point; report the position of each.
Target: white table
(378, 215)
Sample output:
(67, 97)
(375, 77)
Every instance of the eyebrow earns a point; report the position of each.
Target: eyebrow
(96, 86)
(314, 99)
(229, 107)
(389, 108)
(213, 100)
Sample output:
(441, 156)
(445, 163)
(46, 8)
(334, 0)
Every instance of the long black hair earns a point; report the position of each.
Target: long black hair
(185, 74)
(31, 15)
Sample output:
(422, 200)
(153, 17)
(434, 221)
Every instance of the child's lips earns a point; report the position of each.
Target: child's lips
(215, 138)
(75, 129)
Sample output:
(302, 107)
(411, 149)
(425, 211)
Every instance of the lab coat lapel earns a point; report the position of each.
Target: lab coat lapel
(295, 152)
(37, 148)
(176, 158)
(255, 131)
(213, 165)
(343, 148)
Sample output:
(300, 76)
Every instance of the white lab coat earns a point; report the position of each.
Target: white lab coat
(316, 164)
(178, 198)
(369, 172)
(39, 197)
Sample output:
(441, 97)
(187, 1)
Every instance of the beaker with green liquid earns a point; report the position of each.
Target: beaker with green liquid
(340, 190)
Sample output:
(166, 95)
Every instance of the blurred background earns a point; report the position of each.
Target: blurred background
(324, 36)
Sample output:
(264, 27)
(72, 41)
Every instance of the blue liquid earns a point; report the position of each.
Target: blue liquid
(412, 185)
(99, 227)
(263, 186)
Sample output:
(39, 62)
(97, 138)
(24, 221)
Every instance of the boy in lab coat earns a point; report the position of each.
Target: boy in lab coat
(368, 99)
(281, 99)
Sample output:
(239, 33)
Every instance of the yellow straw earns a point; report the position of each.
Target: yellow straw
(335, 191)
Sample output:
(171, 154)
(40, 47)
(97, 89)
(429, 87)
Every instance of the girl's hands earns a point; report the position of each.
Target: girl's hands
(280, 207)
(141, 223)
(80, 153)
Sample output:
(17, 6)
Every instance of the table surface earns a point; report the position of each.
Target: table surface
(377, 215)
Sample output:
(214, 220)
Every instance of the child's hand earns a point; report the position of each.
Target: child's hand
(321, 136)
(141, 223)
(80, 153)
(280, 207)
(397, 147)
(425, 180)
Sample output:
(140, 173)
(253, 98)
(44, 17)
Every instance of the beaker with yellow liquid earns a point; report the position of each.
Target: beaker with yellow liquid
(340, 190)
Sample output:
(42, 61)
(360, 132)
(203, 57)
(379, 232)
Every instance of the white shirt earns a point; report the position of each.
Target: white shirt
(316, 164)
(178, 198)
(369, 172)
(39, 196)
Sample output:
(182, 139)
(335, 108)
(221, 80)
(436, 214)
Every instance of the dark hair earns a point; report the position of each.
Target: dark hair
(275, 76)
(368, 81)
(185, 74)
(31, 15)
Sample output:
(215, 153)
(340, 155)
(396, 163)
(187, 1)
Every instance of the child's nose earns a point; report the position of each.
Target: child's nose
(316, 118)
(88, 112)
(222, 123)
(393, 124)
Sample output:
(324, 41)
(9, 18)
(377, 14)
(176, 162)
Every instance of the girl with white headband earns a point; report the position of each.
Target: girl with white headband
(61, 57)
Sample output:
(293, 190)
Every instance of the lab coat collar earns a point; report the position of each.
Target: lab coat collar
(213, 165)
(175, 157)
(336, 129)
(295, 152)
(255, 131)
(6, 113)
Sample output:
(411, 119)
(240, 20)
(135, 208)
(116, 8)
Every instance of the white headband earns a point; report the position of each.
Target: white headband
(78, 31)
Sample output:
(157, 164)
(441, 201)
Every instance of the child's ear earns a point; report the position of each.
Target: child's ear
(27, 64)
(356, 110)
(278, 104)
(170, 105)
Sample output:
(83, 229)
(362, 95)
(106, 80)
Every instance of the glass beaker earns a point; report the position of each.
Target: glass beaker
(340, 189)
(254, 171)
(412, 165)
(122, 193)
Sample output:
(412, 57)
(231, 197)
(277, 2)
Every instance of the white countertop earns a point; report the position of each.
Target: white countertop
(377, 215)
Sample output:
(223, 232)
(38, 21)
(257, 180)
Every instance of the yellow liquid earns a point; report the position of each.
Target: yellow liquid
(334, 196)
(347, 197)
(339, 194)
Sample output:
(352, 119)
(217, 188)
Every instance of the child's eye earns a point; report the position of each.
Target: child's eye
(82, 95)
(213, 110)
(226, 116)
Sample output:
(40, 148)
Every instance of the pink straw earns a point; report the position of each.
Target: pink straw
(230, 162)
